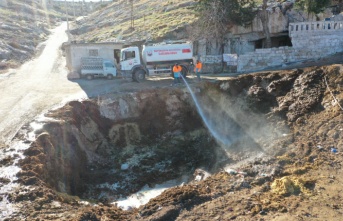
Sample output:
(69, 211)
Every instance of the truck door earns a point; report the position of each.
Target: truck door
(109, 68)
(129, 58)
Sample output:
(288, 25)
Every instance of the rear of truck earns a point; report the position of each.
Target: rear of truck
(92, 67)
(156, 60)
(161, 58)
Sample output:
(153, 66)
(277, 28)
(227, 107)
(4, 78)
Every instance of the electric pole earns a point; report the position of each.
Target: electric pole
(74, 8)
(67, 14)
(132, 18)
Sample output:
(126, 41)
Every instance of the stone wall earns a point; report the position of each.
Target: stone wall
(314, 35)
(311, 40)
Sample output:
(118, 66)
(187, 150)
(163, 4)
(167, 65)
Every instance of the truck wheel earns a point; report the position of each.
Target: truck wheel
(89, 77)
(110, 76)
(139, 75)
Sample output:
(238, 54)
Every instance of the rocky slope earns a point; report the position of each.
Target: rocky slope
(24, 25)
(152, 20)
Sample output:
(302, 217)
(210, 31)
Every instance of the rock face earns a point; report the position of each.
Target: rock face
(277, 23)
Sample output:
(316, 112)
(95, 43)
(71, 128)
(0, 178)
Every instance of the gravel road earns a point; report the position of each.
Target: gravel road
(32, 88)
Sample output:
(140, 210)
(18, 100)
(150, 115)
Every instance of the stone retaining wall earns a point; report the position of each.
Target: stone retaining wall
(311, 40)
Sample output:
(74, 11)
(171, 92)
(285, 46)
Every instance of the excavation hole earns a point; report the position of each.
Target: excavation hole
(111, 147)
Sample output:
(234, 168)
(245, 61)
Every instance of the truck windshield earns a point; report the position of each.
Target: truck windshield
(109, 65)
(128, 55)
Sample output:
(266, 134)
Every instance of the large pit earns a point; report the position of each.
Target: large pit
(107, 148)
(80, 161)
(263, 146)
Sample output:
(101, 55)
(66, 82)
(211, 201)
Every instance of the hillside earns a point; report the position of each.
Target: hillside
(153, 20)
(24, 24)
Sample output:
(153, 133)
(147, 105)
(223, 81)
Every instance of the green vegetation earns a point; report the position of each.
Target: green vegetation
(219, 16)
(312, 6)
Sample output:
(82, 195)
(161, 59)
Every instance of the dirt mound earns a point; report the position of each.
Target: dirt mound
(277, 155)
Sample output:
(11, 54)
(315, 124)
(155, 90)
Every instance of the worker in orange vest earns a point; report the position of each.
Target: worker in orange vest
(177, 73)
(197, 69)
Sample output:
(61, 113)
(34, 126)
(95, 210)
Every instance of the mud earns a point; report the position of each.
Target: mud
(278, 158)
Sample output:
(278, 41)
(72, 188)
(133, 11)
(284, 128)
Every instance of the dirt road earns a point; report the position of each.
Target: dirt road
(33, 88)
(42, 83)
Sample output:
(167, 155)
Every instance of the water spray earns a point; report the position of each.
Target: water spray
(223, 140)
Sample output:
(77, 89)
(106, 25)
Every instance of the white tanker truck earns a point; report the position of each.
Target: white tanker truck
(155, 60)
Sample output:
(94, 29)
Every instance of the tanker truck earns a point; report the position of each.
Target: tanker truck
(155, 60)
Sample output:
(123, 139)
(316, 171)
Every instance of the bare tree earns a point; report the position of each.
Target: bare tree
(264, 17)
(217, 17)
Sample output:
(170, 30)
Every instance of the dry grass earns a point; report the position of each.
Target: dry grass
(152, 19)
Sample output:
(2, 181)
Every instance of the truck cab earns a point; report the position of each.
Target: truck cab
(130, 63)
(129, 58)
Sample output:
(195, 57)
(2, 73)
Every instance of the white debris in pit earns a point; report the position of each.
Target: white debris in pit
(146, 193)
(225, 86)
(200, 174)
(86, 203)
(136, 159)
(38, 124)
(31, 136)
(8, 172)
(6, 208)
(112, 187)
(124, 166)
(55, 204)
(198, 178)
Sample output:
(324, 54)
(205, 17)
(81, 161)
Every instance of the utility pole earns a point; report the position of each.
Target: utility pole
(132, 18)
(81, 4)
(67, 14)
(74, 8)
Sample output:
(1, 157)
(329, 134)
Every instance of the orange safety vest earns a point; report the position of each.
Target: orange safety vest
(198, 66)
(177, 68)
